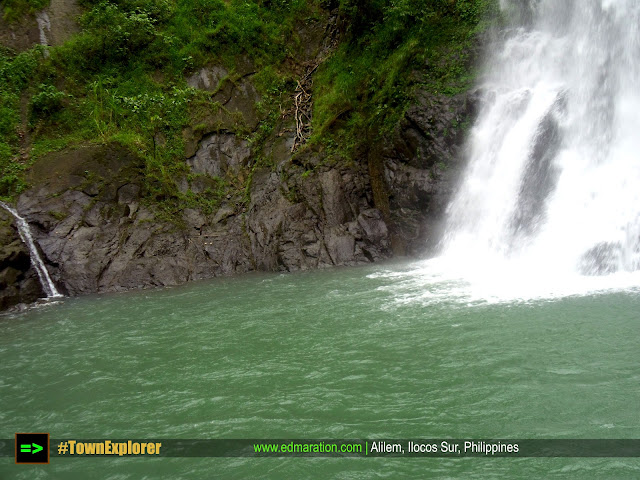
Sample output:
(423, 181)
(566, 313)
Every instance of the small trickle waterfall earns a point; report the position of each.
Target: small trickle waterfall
(553, 181)
(25, 234)
(44, 26)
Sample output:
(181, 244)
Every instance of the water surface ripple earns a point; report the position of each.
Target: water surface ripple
(327, 354)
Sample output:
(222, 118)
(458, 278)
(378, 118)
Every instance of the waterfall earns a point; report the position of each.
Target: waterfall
(553, 179)
(44, 27)
(25, 235)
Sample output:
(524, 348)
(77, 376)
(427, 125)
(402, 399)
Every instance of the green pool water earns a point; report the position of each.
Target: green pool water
(342, 353)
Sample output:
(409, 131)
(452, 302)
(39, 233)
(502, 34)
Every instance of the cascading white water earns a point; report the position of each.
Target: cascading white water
(550, 202)
(553, 182)
(25, 234)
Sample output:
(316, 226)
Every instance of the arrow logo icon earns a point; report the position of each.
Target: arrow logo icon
(30, 448)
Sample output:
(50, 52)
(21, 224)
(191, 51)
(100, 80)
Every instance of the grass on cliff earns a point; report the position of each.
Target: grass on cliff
(122, 78)
(391, 48)
(15, 76)
(13, 10)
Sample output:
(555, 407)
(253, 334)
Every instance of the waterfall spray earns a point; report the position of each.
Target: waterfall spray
(554, 170)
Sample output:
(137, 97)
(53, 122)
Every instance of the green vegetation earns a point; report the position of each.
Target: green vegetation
(123, 78)
(16, 9)
(391, 48)
(15, 75)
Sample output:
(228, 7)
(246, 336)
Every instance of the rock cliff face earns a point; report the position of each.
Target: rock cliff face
(96, 233)
(422, 163)
(18, 281)
(51, 26)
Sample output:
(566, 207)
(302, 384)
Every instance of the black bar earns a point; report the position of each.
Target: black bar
(363, 448)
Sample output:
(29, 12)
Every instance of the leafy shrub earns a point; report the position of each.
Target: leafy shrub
(47, 101)
(115, 35)
(17, 71)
